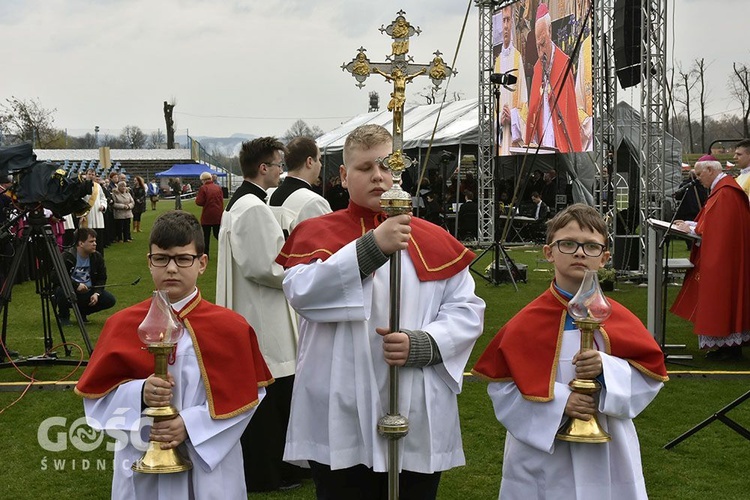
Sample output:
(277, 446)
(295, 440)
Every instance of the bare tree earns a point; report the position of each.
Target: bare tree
(133, 137)
(168, 111)
(156, 139)
(226, 161)
(669, 104)
(88, 141)
(700, 69)
(111, 141)
(300, 128)
(683, 97)
(27, 120)
(739, 88)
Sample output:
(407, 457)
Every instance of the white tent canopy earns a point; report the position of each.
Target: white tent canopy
(459, 123)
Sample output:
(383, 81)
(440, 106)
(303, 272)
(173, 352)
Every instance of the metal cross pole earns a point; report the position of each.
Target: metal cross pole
(400, 70)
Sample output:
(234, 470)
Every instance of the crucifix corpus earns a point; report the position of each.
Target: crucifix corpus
(400, 69)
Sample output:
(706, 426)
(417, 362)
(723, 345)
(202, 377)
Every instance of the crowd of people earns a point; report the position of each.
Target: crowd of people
(294, 385)
(112, 216)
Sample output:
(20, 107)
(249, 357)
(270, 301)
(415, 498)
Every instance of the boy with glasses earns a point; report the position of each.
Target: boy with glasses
(216, 379)
(533, 357)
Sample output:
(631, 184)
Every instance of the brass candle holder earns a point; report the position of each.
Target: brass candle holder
(160, 331)
(589, 308)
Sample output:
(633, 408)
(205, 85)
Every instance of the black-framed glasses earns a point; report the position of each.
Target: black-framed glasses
(162, 259)
(590, 249)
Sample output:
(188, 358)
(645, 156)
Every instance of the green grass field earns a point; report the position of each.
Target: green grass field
(710, 463)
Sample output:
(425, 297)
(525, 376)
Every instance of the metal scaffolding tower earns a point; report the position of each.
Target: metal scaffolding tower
(605, 98)
(485, 155)
(653, 119)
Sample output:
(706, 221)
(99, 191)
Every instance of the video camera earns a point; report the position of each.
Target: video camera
(38, 182)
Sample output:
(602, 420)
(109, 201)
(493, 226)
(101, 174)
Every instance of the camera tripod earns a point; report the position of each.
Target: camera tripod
(39, 238)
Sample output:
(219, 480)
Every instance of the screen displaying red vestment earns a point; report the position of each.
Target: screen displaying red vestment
(562, 103)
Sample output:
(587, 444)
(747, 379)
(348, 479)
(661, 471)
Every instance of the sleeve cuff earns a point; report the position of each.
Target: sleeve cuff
(369, 256)
(423, 350)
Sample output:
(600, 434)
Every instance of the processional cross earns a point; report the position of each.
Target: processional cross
(400, 69)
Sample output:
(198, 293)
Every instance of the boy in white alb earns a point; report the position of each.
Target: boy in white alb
(337, 281)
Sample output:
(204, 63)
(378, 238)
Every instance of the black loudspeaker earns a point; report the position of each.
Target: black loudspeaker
(627, 42)
(503, 276)
(627, 253)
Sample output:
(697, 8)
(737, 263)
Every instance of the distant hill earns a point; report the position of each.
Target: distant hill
(229, 146)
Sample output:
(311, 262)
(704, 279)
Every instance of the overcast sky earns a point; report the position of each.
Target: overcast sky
(256, 66)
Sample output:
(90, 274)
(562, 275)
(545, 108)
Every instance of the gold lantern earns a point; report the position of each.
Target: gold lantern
(589, 308)
(160, 331)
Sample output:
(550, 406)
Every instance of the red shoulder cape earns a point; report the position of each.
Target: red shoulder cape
(525, 352)
(720, 280)
(226, 348)
(435, 253)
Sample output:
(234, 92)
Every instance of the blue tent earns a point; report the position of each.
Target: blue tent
(189, 170)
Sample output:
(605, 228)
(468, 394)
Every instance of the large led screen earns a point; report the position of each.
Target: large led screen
(547, 47)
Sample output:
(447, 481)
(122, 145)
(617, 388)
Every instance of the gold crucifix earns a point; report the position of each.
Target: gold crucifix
(399, 69)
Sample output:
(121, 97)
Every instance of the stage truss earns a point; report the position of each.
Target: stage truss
(652, 111)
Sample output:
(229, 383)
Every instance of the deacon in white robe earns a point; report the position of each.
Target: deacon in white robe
(97, 201)
(513, 104)
(248, 281)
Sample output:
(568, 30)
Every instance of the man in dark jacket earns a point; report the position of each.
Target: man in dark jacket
(88, 274)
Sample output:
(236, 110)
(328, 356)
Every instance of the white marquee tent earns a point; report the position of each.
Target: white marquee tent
(458, 124)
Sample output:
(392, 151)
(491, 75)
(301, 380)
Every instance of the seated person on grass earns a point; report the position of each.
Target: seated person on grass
(88, 273)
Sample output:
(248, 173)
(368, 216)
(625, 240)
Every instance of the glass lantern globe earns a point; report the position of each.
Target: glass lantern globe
(160, 326)
(589, 302)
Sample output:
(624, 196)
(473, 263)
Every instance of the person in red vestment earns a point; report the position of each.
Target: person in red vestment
(533, 357)
(553, 111)
(216, 379)
(715, 295)
(211, 198)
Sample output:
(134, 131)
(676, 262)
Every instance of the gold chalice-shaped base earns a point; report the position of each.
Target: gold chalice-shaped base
(155, 460)
(577, 430)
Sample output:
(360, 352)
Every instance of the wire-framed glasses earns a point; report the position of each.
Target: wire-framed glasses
(162, 259)
(590, 248)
